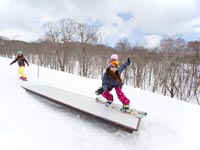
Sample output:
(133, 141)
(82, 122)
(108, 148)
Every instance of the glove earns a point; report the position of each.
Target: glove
(129, 61)
(99, 91)
(10, 63)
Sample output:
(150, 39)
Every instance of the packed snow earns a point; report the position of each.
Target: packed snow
(28, 122)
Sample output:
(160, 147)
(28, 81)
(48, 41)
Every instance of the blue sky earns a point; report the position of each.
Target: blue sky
(126, 16)
(142, 21)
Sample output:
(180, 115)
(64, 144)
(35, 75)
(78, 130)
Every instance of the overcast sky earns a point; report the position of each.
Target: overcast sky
(137, 20)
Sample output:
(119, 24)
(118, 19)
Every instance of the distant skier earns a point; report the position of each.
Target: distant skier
(112, 79)
(21, 63)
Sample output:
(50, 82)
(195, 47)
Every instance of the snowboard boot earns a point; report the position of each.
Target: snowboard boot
(125, 108)
(107, 103)
(99, 91)
(24, 78)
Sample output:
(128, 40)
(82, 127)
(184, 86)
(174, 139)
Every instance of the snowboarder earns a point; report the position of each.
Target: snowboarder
(21, 63)
(112, 79)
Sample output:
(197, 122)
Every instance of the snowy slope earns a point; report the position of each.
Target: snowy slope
(28, 122)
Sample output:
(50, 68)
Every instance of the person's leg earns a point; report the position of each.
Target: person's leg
(21, 72)
(125, 101)
(107, 95)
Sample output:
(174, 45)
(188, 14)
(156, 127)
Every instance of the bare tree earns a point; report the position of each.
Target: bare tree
(86, 35)
(52, 32)
(61, 33)
(67, 29)
(194, 47)
(123, 45)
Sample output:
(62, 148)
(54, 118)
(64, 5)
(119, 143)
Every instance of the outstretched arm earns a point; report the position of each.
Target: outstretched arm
(123, 67)
(13, 61)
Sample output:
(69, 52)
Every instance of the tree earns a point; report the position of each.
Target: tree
(86, 35)
(67, 33)
(52, 32)
(123, 45)
(63, 32)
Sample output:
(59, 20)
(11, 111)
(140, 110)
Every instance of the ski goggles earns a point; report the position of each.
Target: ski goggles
(114, 63)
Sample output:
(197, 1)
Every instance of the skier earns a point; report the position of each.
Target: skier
(21, 63)
(112, 79)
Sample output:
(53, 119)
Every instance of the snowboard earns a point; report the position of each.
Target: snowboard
(133, 112)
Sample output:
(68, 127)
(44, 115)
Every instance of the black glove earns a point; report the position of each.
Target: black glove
(129, 61)
(10, 63)
(99, 91)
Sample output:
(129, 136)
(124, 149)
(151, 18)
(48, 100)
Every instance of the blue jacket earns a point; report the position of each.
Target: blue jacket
(108, 82)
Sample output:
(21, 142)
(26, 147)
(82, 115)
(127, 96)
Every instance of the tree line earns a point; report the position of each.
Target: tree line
(172, 69)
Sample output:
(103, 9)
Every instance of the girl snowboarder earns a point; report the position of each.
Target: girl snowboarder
(112, 79)
(21, 63)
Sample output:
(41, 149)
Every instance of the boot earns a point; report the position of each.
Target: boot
(99, 91)
(125, 108)
(24, 78)
(108, 102)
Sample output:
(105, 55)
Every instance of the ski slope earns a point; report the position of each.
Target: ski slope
(28, 122)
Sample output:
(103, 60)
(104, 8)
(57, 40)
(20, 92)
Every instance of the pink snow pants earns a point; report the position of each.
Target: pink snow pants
(120, 95)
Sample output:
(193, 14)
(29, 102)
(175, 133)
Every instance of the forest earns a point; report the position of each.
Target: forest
(172, 69)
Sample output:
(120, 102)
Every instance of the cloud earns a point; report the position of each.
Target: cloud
(166, 16)
(116, 19)
(196, 28)
(152, 41)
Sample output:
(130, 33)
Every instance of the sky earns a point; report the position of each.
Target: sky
(140, 21)
(28, 122)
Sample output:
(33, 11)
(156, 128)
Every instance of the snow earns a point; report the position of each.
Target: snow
(28, 122)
